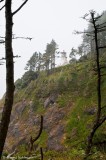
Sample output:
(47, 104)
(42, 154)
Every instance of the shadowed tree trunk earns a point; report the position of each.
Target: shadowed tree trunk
(99, 118)
(9, 76)
(9, 72)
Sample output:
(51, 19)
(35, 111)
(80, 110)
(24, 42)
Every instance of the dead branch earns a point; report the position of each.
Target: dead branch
(17, 56)
(85, 32)
(103, 75)
(99, 143)
(101, 47)
(2, 58)
(101, 24)
(32, 140)
(19, 8)
(1, 64)
(29, 38)
(2, 42)
(2, 7)
(1, 1)
(103, 119)
(103, 107)
(11, 154)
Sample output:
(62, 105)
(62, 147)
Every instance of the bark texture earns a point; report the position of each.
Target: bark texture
(9, 76)
(99, 118)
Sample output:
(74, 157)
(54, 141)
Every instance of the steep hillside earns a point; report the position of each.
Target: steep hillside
(67, 99)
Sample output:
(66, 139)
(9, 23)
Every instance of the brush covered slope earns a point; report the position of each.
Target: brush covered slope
(67, 99)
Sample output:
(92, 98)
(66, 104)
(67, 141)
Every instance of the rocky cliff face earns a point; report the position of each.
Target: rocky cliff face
(25, 123)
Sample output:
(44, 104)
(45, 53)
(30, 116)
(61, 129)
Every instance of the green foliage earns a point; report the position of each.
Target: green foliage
(22, 151)
(75, 88)
(49, 55)
(26, 79)
(79, 123)
(18, 83)
(34, 62)
(42, 141)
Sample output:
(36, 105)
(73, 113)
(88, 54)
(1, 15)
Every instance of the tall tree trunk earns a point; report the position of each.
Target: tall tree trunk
(98, 116)
(9, 76)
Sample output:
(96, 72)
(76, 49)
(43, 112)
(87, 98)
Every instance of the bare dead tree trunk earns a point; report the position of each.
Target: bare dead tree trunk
(32, 140)
(99, 119)
(5, 120)
(9, 76)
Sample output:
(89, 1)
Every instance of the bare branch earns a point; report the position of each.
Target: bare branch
(32, 140)
(2, 7)
(80, 32)
(101, 24)
(19, 7)
(1, 1)
(1, 64)
(103, 107)
(100, 142)
(103, 75)
(103, 119)
(102, 66)
(101, 30)
(2, 59)
(40, 131)
(29, 38)
(101, 27)
(2, 37)
(98, 17)
(2, 41)
(16, 56)
(101, 47)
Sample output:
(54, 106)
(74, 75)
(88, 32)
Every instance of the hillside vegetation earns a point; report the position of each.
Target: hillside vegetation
(67, 98)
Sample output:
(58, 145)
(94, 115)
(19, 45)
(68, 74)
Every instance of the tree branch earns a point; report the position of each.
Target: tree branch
(1, 1)
(2, 59)
(29, 38)
(40, 131)
(99, 28)
(103, 119)
(103, 107)
(2, 7)
(2, 41)
(101, 47)
(19, 8)
(79, 32)
(32, 140)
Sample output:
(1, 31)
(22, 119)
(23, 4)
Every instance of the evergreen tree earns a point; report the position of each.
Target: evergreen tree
(49, 55)
(34, 62)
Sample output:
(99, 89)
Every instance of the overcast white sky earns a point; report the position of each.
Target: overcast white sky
(45, 20)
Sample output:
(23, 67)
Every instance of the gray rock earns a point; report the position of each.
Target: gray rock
(50, 100)
(90, 111)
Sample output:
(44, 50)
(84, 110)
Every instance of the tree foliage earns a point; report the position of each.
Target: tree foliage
(46, 61)
(34, 62)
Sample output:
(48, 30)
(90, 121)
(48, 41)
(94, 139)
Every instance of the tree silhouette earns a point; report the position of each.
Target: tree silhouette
(100, 117)
(9, 71)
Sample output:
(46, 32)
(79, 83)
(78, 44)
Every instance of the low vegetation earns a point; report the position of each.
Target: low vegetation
(74, 86)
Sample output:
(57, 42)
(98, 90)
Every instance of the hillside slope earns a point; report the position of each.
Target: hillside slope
(67, 99)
